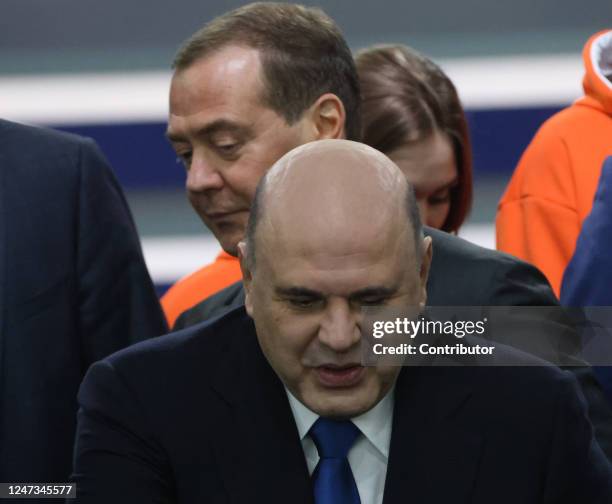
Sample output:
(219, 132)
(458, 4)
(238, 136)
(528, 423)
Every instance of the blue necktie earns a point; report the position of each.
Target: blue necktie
(333, 479)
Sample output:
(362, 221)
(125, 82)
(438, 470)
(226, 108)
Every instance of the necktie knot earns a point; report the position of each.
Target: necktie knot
(333, 438)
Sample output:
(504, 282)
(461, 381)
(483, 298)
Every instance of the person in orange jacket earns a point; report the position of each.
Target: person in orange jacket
(551, 192)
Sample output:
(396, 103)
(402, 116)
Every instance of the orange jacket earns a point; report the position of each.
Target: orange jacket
(199, 285)
(551, 191)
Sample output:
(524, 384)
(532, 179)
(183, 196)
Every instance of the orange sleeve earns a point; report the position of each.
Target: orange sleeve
(199, 285)
(537, 219)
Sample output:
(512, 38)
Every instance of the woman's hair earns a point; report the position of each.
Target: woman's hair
(406, 98)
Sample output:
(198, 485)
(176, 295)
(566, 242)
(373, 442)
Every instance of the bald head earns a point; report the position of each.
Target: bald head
(332, 236)
(333, 194)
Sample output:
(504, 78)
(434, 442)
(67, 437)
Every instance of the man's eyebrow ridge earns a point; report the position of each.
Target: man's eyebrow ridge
(297, 292)
(211, 129)
(374, 291)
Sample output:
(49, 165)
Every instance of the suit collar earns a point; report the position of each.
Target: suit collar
(374, 424)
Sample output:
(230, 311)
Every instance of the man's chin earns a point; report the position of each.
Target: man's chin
(231, 249)
(229, 241)
(335, 404)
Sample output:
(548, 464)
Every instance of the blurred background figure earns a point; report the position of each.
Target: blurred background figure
(412, 113)
(74, 288)
(588, 277)
(551, 192)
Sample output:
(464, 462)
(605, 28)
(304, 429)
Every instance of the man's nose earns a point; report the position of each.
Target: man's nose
(202, 175)
(339, 329)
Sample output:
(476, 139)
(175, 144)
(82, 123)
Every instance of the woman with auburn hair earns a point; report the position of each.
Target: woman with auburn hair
(412, 113)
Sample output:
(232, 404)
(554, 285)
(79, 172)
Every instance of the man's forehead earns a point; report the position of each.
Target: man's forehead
(332, 268)
(323, 241)
(228, 76)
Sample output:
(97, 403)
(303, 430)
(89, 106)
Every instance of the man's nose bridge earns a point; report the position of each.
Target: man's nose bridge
(202, 173)
(340, 321)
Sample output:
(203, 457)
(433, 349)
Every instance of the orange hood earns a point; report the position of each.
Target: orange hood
(597, 57)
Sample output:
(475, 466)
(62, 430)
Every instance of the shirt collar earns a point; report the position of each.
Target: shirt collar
(374, 424)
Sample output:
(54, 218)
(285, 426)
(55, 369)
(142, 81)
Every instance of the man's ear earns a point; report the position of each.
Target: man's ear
(328, 117)
(247, 276)
(426, 255)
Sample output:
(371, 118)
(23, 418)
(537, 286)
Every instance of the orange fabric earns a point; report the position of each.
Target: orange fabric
(551, 191)
(199, 285)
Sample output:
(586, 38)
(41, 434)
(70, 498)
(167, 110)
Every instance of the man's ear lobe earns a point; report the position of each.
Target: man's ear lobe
(329, 117)
(247, 276)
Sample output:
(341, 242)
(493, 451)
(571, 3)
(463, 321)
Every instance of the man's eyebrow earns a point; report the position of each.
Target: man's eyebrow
(224, 125)
(380, 292)
(297, 292)
(377, 292)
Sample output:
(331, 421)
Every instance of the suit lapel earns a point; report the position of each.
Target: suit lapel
(264, 460)
(434, 454)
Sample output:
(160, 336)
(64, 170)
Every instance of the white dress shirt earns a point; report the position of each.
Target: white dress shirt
(369, 454)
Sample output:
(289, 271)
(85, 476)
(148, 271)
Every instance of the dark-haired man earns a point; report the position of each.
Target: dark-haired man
(247, 88)
(272, 404)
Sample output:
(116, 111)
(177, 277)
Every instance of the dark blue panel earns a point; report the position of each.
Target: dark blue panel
(161, 288)
(142, 158)
(499, 136)
(139, 153)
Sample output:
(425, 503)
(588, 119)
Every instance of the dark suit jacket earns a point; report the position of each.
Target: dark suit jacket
(200, 417)
(73, 289)
(464, 274)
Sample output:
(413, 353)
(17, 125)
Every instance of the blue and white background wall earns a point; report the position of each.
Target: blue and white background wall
(101, 69)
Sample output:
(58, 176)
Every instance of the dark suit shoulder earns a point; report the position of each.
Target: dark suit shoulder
(213, 306)
(464, 250)
(198, 346)
(463, 273)
(13, 136)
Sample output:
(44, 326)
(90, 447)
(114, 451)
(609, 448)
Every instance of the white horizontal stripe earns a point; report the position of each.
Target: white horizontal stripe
(170, 258)
(517, 81)
(511, 81)
(85, 98)
(480, 234)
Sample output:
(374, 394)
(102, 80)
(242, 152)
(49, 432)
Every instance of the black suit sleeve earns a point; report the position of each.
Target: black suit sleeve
(117, 458)
(117, 302)
(578, 471)
(521, 284)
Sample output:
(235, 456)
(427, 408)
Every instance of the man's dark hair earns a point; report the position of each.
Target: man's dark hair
(303, 56)
(410, 204)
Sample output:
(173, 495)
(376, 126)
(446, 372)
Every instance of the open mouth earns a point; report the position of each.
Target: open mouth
(340, 376)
